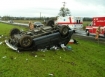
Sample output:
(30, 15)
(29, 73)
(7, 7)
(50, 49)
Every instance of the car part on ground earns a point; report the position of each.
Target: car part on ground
(39, 38)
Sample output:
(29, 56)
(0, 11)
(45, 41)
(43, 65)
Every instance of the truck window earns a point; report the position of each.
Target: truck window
(77, 21)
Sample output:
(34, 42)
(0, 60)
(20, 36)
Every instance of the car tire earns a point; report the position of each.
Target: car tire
(50, 23)
(26, 41)
(14, 31)
(104, 35)
(87, 32)
(74, 31)
(64, 31)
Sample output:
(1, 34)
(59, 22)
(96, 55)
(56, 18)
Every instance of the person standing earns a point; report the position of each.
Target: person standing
(31, 26)
(97, 33)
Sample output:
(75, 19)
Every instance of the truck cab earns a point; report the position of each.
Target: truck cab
(92, 27)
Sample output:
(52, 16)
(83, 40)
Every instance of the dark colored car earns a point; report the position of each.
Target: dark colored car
(40, 38)
(10, 21)
(38, 24)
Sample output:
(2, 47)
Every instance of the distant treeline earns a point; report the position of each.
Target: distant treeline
(87, 19)
(23, 18)
(36, 18)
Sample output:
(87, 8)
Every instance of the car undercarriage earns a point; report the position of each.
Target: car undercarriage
(39, 38)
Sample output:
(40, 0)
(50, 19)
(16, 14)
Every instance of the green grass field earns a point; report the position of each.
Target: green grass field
(85, 23)
(87, 59)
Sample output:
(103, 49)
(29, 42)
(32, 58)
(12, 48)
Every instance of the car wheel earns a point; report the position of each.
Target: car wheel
(104, 35)
(50, 23)
(87, 32)
(26, 41)
(14, 31)
(74, 31)
(64, 30)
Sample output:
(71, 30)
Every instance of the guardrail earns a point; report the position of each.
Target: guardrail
(14, 23)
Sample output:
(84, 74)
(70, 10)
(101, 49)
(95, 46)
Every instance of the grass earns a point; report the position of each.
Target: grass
(5, 28)
(85, 60)
(85, 23)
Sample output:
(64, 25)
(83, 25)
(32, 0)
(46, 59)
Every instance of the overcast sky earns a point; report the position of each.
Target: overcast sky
(49, 8)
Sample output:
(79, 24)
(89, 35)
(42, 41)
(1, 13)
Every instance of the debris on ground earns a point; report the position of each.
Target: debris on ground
(1, 36)
(36, 56)
(43, 50)
(69, 47)
(26, 59)
(18, 51)
(15, 58)
(54, 48)
(73, 41)
(51, 74)
(1, 43)
(63, 47)
(4, 57)
(43, 59)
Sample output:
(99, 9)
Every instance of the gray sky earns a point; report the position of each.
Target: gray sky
(49, 8)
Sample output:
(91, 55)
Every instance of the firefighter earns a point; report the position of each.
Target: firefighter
(31, 26)
(97, 33)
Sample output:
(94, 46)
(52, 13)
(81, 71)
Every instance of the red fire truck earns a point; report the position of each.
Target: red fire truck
(92, 27)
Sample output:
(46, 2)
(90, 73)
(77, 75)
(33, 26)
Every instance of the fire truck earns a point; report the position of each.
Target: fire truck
(74, 23)
(92, 27)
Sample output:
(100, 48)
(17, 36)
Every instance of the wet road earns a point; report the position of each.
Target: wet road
(83, 33)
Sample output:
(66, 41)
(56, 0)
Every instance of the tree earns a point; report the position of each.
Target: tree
(64, 11)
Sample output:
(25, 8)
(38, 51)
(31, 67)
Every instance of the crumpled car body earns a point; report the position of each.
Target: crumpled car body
(39, 38)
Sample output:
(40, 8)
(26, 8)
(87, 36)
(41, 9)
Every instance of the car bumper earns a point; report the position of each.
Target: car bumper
(10, 45)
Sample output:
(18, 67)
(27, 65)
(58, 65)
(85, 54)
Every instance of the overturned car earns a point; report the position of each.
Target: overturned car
(40, 38)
